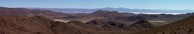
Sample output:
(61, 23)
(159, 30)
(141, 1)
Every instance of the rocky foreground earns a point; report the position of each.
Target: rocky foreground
(41, 25)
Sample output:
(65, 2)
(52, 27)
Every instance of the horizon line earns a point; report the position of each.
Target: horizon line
(96, 8)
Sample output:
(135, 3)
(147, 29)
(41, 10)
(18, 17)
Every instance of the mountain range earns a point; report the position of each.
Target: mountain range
(39, 21)
(121, 9)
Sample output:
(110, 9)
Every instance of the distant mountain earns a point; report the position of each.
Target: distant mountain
(68, 10)
(146, 11)
(105, 12)
(126, 17)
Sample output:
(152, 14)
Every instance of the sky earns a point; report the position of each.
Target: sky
(132, 4)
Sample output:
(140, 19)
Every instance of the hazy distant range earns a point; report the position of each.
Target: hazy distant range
(136, 11)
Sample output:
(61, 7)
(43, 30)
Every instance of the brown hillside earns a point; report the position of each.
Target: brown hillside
(25, 25)
(41, 25)
(184, 26)
(38, 25)
(28, 12)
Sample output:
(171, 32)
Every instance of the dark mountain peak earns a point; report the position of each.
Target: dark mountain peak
(105, 23)
(96, 22)
(142, 24)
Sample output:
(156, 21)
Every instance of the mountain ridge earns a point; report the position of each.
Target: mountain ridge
(184, 26)
(83, 10)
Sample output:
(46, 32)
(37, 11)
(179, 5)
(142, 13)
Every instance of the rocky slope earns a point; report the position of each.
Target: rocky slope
(142, 24)
(38, 25)
(25, 25)
(4, 11)
(184, 26)
(41, 25)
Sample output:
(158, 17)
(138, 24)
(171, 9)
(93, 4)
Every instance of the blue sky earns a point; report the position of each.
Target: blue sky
(133, 4)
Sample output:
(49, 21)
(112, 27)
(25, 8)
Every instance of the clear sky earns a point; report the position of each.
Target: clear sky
(134, 4)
